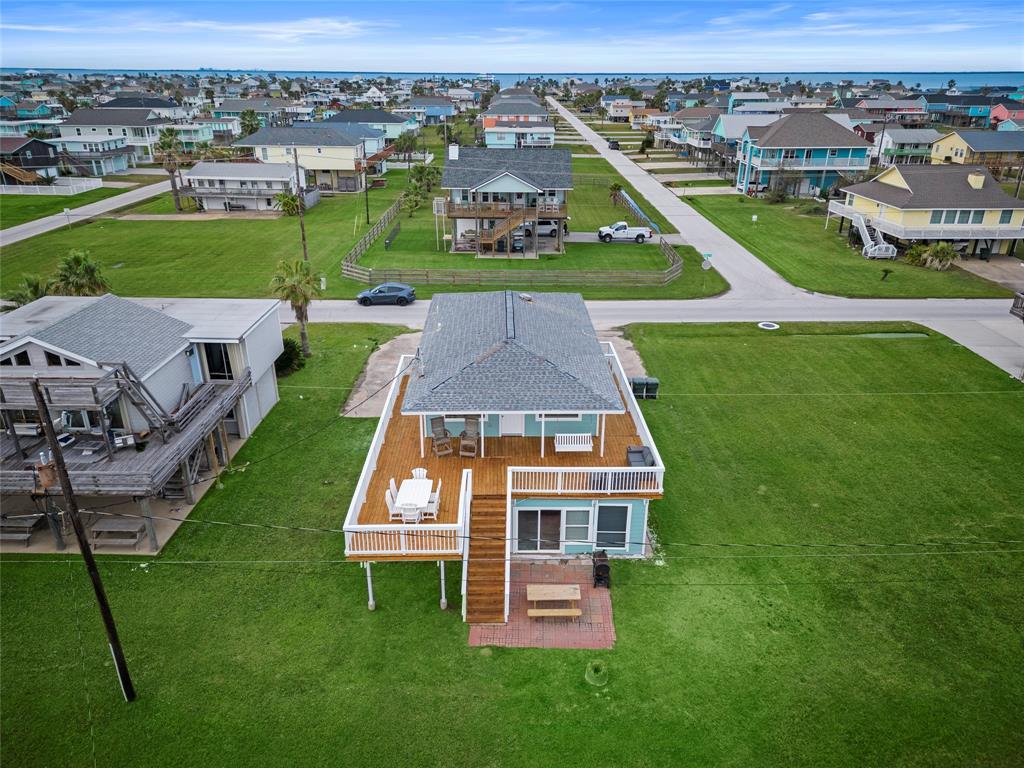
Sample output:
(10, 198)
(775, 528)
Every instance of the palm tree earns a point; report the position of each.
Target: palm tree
(412, 199)
(78, 274)
(250, 122)
(203, 150)
(32, 287)
(405, 144)
(168, 145)
(295, 283)
(614, 190)
(941, 256)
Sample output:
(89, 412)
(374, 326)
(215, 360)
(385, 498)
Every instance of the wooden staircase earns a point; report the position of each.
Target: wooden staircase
(501, 229)
(485, 581)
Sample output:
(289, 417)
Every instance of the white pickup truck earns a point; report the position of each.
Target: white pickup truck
(622, 231)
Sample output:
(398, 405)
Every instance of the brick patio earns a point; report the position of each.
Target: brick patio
(594, 629)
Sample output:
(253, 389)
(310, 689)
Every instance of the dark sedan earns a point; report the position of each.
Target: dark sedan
(388, 293)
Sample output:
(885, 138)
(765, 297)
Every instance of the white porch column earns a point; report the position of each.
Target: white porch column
(602, 427)
(444, 595)
(423, 440)
(541, 417)
(369, 587)
(483, 428)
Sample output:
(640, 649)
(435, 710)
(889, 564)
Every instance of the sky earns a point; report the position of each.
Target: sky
(525, 36)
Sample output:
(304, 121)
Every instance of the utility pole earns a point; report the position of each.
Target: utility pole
(83, 544)
(366, 193)
(301, 197)
(1020, 178)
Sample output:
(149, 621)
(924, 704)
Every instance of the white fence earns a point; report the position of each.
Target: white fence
(59, 187)
(417, 158)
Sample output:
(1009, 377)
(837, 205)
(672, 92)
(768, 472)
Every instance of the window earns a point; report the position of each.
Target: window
(78, 131)
(950, 217)
(977, 217)
(612, 523)
(54, 360)
(110, 131)
(538, 530)
(217, 362)
(263, 152)
(577, 525)
(1004, 217)
(833, 153)
(19, 358)
(936, 217)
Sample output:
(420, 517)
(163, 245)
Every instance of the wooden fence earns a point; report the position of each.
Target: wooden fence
(349, 268)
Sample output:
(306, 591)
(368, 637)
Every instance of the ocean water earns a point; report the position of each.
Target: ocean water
(506, 79)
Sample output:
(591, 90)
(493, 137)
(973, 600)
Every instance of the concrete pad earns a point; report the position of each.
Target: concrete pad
(380, 369)
(690, 191)
(1005, 270)
(665, 178)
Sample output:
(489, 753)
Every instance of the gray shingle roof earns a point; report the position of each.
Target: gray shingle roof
(512, 107)
(137, 102)
(365, 116)
(993, 141)
(114, 330)
(807, 130)
(314, 136)
(913, 135)
(498, 352)
(543, 168)
(256, 105)
(937, 186)
(204, 170)
(126, 117)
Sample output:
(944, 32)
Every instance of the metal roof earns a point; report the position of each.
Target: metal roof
(543, 168)
(501, 351)
(206, 170)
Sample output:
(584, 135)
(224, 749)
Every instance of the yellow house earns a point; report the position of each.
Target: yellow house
(904, 204)
(335, 160)
(995, 149)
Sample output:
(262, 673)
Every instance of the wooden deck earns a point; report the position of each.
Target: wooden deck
(400, 453)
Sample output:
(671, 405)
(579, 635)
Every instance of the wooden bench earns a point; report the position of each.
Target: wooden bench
(25, 537)
(574, 443)
(536, 612)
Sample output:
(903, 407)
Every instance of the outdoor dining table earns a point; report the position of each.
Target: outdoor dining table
(414, 492)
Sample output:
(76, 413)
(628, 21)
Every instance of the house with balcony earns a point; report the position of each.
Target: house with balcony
(427, 110)
(520, 110)
(493, 195)
(161, 106)
(333, 158)
(802, 153)
(244, 186)
(146, 395)
(270, 112)
(24, 160)
(512, 434)
(905, 112)
(512, 134)
(94, 157)
(390, 124)
(904, 146)
(960, 204)
(999, 151)
(140, 128)
(27, 109)
(1006, 110)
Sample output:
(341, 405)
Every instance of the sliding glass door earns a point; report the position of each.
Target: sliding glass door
(538, 530)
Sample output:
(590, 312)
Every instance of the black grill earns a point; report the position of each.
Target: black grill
(602, 571)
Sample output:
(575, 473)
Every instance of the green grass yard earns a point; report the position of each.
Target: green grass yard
(700, 183)
(804, 253)
(589, 203)
(18, 209)
(254, 647)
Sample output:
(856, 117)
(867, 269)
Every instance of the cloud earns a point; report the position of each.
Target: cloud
(741, 17)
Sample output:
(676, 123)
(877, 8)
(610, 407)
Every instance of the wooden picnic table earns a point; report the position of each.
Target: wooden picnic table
(118, 530)
(540, 597)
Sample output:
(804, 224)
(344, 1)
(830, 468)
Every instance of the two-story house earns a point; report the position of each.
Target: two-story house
(904, 146)
(961, 204)
(245, 186)
(1006, 110)
(270, 112)
(390, 124)
(521, 110)
(513, 433)
(334, 159)
(997, 150)
(144, 393)
(427, 110)
(803, 154)
(140, 128)
(24, 160)
(494, 194)
(158, 105)
(513, 134)
(95, 157)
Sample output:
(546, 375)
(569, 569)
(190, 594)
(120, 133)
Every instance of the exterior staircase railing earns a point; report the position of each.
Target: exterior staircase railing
(875, 246)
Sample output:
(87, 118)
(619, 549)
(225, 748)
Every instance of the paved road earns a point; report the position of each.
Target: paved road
(82, 213)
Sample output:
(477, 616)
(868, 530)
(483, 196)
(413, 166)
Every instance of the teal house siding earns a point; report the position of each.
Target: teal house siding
(636, 533)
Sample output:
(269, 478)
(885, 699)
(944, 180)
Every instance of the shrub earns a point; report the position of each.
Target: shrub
(941, 256)
(291, 359)
(775, 196)
(915, 254)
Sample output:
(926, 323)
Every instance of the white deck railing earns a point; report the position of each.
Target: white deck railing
(631, 404)
(465, 501)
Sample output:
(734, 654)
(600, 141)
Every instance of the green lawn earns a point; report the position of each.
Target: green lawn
(804, 253)
(17, 209)
(656, 169)
(700, 183)
(578, 149)
(1010, 188)
(206, 258)
(254, 647)
(589, 204)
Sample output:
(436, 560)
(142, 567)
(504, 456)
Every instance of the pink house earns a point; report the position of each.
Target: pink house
(1006, 110)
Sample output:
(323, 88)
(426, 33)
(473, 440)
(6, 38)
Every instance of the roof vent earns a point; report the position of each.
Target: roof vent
(453, 151)
(976, 179)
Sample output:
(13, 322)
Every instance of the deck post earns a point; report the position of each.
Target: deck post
(54, 522)
(150, 525)
(186, 482)
(423, 439)
(211, 454)
(444, 594)
(483, 428)
(369, 587)
(604, 425)
(224, 442)
(541, 415)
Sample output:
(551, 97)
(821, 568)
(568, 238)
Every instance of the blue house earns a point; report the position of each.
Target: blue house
(28, 109)
(512, 434)
(802, 154)
(428, 110)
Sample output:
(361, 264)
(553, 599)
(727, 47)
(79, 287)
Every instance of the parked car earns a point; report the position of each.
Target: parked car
(612, 144)
(388, 293)
(620, 230)
(548, 227)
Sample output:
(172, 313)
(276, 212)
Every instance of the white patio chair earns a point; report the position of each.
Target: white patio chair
(393, 487)
(410, 513)
(420, 473)
(393, 512)
(433, 504)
